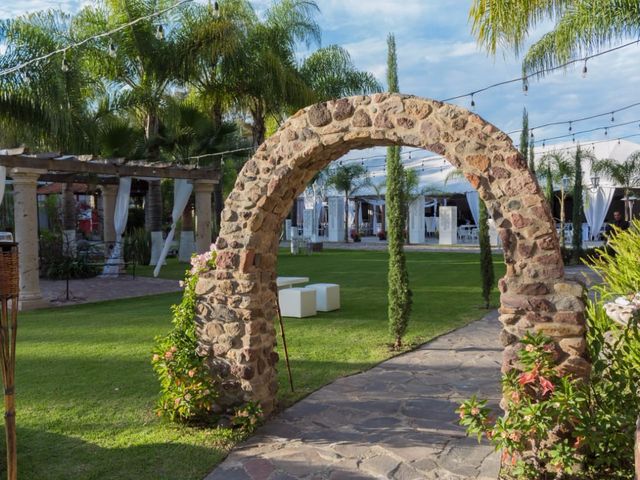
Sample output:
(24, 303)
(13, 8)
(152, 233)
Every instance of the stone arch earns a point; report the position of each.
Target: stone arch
(237, 301)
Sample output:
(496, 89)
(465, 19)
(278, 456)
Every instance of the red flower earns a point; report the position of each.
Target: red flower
(526, 378)
(547, 386)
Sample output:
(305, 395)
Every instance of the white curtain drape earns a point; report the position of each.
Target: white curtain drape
(182, 189)
(596, 204)
(112, 267)
(473, 199)
(352, 213)
(3, 179)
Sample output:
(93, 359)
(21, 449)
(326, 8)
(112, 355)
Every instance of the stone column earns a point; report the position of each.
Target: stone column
(25, 182)
(336, 219)
(416, 221)
(109, 194)
(448, 225)
(203, 190)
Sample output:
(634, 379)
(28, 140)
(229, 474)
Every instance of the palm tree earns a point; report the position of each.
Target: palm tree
(581, 27)
(331, 74)
(625, 174)
(348, 179)
(558, 169)
(147, 64)
(46, 106)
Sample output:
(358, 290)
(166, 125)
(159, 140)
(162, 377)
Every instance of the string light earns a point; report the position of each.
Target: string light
(612, 118)
(525, 85)
(473, 103)
(112, 49)
(581, 119)
(109, 33)
(605, 128)
(64, 66)
(605, 131)
(160, 32)
(542, 72)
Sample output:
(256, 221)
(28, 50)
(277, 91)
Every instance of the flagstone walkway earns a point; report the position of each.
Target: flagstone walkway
(395, 421)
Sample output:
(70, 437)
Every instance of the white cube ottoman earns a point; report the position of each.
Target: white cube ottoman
(297, 302)
(327, 296)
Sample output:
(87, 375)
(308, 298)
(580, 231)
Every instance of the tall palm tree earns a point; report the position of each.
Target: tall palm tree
(348, 179)
(331, 74)
(149, 61)
(625, 174)
(558, 169)
(581, 27)
(47, 105)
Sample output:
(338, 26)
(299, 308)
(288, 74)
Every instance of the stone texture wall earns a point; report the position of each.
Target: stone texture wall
(237, 301)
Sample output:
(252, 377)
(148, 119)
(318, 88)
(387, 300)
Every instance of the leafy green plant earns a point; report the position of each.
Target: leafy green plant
(558, 427)
(188, 390)
(486, 259)
(137, 246)
(247, 418)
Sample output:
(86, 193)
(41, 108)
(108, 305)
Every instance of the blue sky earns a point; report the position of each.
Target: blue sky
(438, 58)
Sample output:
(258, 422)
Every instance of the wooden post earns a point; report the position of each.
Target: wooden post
(9, 291)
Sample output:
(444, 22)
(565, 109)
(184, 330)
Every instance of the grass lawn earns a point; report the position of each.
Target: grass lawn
(86, 391)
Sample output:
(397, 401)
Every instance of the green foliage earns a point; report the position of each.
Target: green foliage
(348, 179)
(486, 259)
(188, 390)
(137, 247)
(580, 28)
(557, 427)
(576, 239)
(248, 417)
(6, 210)
(399, 293)
(524, 135)
(53, 213)
(56, 263)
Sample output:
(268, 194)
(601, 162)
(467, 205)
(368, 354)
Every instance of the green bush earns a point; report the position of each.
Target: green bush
(137, 247)
(557, 427)
(58, 264)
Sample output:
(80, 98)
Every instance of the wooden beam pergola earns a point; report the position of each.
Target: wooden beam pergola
(56, 164)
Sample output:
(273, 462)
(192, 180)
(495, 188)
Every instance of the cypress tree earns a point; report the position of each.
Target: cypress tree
(524, 135)
(486, 259)
(576, 240)
(532, 159)
(398, 276)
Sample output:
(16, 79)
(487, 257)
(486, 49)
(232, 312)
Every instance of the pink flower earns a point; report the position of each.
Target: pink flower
(177, 401)
(515, 397)
(528, 377)
(515, 436)
(156, 357)
(173, 349)
(475, 411)
(529, 348)
(168, 355)
(191, 373)
(547, 386)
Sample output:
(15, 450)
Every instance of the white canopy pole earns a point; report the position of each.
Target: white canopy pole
(112, 267)
(181, 193)
(3, 179)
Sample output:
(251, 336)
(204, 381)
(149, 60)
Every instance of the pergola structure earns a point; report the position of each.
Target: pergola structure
(26, 170)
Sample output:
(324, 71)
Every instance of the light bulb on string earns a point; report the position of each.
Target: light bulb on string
(473, 102)
(584, 69)
(570, 127)
(159, 32)
(112, 50)
(573, 138)
(532, 138)
(525, 85)
(216, 10)
(64, 66)
(606, 132)
(543, 144)
(612, 117)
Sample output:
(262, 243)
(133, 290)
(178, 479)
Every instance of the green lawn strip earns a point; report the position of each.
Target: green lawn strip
(86, 391)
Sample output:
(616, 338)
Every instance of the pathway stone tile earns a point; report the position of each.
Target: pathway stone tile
(396, 421)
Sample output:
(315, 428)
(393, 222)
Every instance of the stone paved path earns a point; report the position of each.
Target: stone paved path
(99, 289)
(395, 421)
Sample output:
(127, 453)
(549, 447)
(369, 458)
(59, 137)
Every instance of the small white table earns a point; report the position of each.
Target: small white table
(288, 282)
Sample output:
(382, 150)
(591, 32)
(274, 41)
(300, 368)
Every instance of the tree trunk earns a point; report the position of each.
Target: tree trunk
(356, 216)
(153, 207)
(562, 218)
(294, 213)
(187, 217)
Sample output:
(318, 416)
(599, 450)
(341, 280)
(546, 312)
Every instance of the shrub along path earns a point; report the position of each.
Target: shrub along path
(395, 421)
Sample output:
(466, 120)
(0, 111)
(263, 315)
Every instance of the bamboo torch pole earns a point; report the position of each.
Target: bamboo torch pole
(9, 291)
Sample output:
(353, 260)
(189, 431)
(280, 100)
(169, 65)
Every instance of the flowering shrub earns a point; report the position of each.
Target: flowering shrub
(542, 431)
(247, 418)
(560, 428)
(187, 391)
